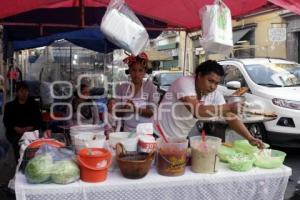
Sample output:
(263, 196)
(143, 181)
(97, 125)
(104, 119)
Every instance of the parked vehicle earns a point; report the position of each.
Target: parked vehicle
(164, 79)
(274, 84)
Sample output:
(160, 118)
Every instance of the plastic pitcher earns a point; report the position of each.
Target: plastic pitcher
(205, 156)
(171, 156)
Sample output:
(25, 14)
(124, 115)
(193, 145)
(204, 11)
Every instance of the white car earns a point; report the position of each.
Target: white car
(274, 84)
(164, 79)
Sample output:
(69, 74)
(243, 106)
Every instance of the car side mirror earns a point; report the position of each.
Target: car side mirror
(234, 85)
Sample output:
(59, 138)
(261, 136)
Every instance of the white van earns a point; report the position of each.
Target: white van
(274, 84)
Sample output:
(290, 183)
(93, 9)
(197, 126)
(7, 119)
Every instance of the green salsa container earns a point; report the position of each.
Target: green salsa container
(224, 152)
(240, 162)
(272, 159)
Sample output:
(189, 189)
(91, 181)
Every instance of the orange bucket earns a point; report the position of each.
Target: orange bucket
(94, 164)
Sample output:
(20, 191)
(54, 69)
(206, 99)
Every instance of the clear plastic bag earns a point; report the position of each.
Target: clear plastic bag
(216, 28)
(39, 168)
(52, 164)
(123, 28)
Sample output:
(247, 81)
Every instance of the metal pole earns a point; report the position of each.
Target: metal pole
(10, 82)
(79, 26)
(70, 63)
(184, 55)
(82, 13)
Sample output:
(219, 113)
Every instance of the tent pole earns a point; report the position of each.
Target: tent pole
(82, 13)
(184, 55)
(79, 26)
(70, 78)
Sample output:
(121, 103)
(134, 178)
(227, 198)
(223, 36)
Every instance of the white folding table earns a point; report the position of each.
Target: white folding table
(258, 184)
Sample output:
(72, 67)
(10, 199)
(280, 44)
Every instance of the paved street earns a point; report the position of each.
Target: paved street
(292, 160)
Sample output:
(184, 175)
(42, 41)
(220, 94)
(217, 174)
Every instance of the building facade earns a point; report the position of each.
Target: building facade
(292, 35)
(260, 34)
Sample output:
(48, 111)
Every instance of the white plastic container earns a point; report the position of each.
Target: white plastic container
(124, 32)
(147, 144)
(88, 128)
(204, 155)
(130, 144)
(89, 140)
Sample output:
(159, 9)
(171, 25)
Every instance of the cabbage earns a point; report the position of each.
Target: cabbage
(64, 172)
(38, 169)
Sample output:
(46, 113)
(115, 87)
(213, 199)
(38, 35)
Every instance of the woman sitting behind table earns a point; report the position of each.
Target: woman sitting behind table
(85, 111)
(139, 97)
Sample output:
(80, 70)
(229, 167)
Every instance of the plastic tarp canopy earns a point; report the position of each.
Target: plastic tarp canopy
(176, 13)
(90, 38)
(153, 14)
(291, 5)
(59, 16)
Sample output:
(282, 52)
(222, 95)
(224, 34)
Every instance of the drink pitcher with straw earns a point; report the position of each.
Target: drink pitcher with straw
(204, 153)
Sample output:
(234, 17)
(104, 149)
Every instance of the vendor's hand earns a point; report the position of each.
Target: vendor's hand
(257, 142)
(130, 105)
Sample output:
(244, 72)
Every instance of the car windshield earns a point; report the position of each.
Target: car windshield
(166, 79)
(275, 74)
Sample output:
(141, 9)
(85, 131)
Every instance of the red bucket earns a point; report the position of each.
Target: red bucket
(94, 164)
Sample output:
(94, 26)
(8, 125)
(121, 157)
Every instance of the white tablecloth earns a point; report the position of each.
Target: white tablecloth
(258, 184)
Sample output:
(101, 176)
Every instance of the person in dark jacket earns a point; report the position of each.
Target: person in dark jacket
(21, 115)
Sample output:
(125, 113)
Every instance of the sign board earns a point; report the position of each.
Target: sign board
(277, 34)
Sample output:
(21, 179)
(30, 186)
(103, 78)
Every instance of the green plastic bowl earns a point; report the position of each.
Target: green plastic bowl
(244, 146)
(224, 152)
(274, 160)
(240, 162)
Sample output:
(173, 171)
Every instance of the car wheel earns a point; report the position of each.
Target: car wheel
(257, 130)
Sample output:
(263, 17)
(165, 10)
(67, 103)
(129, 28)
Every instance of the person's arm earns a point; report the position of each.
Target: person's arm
(8, 117)
(153, 99)
(96, 118)
(145, 112)
(238, 126)
(9, 120)
(121, 110)
(227, 110)
(199, 110)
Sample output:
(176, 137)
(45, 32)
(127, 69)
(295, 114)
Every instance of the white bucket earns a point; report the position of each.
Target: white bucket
(130, 144)
(89, 140)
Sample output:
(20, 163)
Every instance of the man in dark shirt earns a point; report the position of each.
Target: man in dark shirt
(21, 115)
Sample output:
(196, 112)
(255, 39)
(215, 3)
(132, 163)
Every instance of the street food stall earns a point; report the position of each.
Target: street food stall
(101, 175)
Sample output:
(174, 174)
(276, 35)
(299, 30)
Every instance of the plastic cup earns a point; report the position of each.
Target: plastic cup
(205, 156)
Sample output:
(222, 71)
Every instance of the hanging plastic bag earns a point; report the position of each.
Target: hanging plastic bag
(216, 28)
(123, 28)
